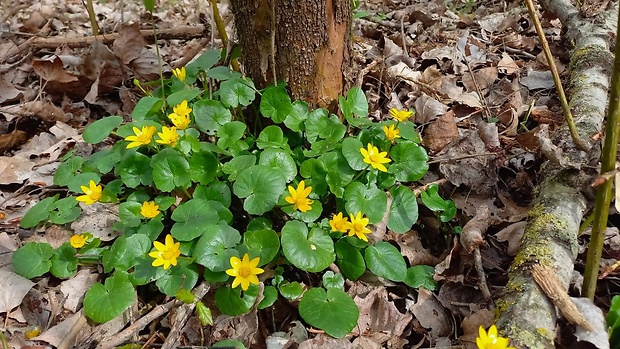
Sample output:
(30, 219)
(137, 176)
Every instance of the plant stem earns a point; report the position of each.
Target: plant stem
(604, 191)
(579, 143)
(221, 29)
(92, 16)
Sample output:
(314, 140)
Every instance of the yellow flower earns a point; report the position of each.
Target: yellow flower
(182, 109)
(491, 340)
(167, 254)
(149, 209)
(78, 240)
(142, 137)
(357, 226)
(180, 121)
(92, 193)
(299, 197)
(391, 132)
(400, 115)
(338, 223)
(374, 158)
(244, 271)
(168, 135)
(179, 73)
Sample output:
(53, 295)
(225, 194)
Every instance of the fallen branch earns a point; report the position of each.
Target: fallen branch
(181, 33)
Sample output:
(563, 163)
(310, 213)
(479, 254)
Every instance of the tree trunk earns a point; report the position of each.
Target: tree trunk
(309, 49)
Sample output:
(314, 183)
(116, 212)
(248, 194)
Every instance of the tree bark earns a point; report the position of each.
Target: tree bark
(309, 47)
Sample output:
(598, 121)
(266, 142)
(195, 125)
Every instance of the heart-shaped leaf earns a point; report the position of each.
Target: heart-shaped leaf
(103, 303)
(310, 251)
(385, 261)
(333, 311)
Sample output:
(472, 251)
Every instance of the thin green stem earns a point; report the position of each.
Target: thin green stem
(604, 191)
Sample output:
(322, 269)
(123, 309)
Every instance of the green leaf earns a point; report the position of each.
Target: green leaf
(215, 277)
(263, 243)
(233, 130)
(261, 187)
(100, 129)
(407, 131)
(178, 97)
(67, 170)
(228, 344)
(170, 170)
(410, 161)
(295, 119)
(279, 160)
(333, 311)
(83, 179)
(103, 303)
(239, 163)
(32, 259)
(270, 295)
(331, 279)
(125, 252)
(204, 314)
(316, 122)
(339, 173)
(192, 217)
(222, 73)
(314, 170)
(216, 191)
(309, 251)
(185, 296)
(215, 247)
(210, 115)
(271, 137)
(614, 311)
(39, 212)
(449, 212)
(65, 210)
(290, 290)
(176, 278)
(351, 151)
(385, 260)
(129, 214)
(355, 108)
(349, 260)
(369, 200)
(237, 92)
(275, 103)
(64, 262)
(146, 106)
(230, 302)
(421, 276)
(307, 217)
(436, 203)
(135, 169)
(105, 159)
(202, 167)
(403, 210)
(204, 62)
(149, 5)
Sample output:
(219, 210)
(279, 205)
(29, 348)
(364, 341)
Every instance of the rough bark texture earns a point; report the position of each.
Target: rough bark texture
(311, 45)
(526, 315)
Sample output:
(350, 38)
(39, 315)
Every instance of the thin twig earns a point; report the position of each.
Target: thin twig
(273, 41)
(579, 143)
(460, 157)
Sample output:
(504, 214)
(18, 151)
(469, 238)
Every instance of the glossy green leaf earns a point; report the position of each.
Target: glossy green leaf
(236, 92)
(351, 151)
(129, 214)
(271, 137)
(270, 295)
(32, 259)
(237, 165)
(385, 260)
(145, 107)
(311, 251)
(204, 62)
(228, 344)
(369, 200)
(315, 172)
(39, 212)
(185, 296)
(295, 119)
(349, 260)
(176, 278)
(421, 276)
(230, 301)
(64, 262)
(333, 311)
(261, 187)
(216, 191)
(403, 210)
(100, 129)
(192, 217)
(210, 115)
(203, 167)
(290, 290)
(152, 228)
(67, 170)
(316, 122)
(215, 247)
(436, 203)
(410, 161)
(103, 303)
(279, 160)
(82, 179)
(204, 314)
(275, 103)
(170, 170)
(125, 252)
(263, 243)
(331, 279)
(222, 73)
(186, 94)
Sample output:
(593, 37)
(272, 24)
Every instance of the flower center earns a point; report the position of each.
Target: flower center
(244, 272)
(358, 227)
(168, 255)
(374, 157)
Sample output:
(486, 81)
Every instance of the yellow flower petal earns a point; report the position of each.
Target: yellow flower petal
(244, 270)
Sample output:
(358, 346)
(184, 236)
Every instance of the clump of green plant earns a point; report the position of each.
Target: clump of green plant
(613, 322)
(205, 190)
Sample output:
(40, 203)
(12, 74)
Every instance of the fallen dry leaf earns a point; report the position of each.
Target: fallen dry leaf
(379, 319)
(441, 132)
(13, 289)
(431, 314)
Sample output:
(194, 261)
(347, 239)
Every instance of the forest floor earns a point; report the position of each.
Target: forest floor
(456, 63)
